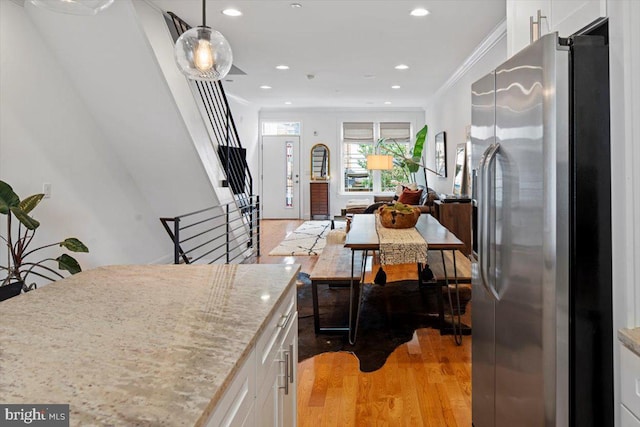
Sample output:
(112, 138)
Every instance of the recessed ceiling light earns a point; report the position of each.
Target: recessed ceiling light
(402, 67)
(395, 87)
(265, 87)
(287, 103)
(295, 5)
(282, 67)
(231, 12)
(387, 102)
(419, 12)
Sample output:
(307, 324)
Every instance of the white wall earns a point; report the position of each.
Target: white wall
(106, 134)
(246, 117)
(324, 126)
(450, 111)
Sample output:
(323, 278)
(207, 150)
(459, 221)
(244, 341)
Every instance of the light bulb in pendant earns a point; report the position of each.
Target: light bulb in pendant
(203, 56)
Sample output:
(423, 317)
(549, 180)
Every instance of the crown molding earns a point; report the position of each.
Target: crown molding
(497, 34)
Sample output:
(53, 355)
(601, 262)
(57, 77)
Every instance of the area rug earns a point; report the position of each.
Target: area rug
(388, 318)
(308, 239)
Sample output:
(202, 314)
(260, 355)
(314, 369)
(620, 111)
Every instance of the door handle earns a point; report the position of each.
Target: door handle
(291, 363)
(287, 362)
(486, 163)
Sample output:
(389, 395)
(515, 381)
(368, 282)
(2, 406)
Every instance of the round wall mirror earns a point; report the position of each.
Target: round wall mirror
(320, 162)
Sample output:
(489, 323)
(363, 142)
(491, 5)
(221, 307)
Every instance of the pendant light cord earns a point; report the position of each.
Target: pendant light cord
(204, 13)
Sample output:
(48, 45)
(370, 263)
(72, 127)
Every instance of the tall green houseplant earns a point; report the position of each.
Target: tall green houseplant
(410, 164)
(18, 240)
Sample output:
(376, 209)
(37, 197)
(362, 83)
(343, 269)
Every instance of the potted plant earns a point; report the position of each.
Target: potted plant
(18, 240)
(409, 164)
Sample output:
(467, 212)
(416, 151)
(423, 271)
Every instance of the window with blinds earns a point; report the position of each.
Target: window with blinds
(358, 140)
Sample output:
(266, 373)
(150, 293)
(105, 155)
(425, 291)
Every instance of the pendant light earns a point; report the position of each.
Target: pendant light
(203, 53)
(74, 7)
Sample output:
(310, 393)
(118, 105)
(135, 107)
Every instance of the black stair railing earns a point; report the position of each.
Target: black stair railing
(214, 99)
(206, 236)
(238, 177)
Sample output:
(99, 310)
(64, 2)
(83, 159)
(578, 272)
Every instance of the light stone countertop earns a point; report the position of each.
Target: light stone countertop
(631, 339)
(136, 345)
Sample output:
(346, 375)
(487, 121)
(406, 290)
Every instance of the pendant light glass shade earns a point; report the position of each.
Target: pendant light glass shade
(74, 7)
(203, 54)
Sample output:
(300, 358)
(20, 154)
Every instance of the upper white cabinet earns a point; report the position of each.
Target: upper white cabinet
(564, 16)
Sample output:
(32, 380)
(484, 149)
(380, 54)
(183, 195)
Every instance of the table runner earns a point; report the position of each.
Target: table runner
(400, 246)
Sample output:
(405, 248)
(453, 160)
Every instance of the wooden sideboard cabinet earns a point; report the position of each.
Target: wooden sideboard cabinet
(319, 199)
(456, 217)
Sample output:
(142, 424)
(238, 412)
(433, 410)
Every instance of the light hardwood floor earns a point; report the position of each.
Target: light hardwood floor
(425, 382)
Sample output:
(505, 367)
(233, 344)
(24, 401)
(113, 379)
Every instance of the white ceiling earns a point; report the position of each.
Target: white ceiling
(344, 43)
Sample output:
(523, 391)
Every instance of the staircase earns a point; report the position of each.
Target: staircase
(229, 232)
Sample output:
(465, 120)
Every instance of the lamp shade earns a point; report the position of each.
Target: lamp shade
(74, 7)
(379, 162)
(203, 54)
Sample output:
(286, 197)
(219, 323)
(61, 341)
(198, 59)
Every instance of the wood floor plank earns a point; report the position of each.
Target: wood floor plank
(425, 382)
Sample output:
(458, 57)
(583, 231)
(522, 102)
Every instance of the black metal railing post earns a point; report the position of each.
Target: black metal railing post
(176, 240)
(227, 233)
(258, 223)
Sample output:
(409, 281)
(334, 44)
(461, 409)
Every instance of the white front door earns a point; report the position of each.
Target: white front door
(280, 177)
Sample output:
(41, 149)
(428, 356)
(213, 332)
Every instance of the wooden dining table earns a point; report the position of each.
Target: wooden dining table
(363, 236)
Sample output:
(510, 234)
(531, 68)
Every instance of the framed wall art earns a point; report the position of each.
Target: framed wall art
(441, 154)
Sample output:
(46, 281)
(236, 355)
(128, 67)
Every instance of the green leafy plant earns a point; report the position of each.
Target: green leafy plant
(18, 244)
(410, 164)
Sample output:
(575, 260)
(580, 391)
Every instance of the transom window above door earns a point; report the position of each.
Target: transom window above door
(360, 139)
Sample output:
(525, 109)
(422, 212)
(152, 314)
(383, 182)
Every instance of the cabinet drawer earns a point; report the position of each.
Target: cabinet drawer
(627, 419)
(269, 341)
(630, 380)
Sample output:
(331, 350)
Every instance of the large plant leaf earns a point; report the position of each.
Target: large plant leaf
(74, 245)
(66, 262)
(25, 219)
(28, 204)
(421, 137)
(8, 198)
(413, 164)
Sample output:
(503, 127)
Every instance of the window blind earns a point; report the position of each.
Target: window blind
(400, 131)
(357, 131)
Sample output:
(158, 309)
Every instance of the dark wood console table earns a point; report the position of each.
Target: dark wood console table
(456, 217)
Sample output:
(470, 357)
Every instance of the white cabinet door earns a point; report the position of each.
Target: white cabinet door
(235, 408)
(267, 410)
(569, 16)
(630, 384)
(518, 14)
(564, 16)
(288, 406)
(627, 419)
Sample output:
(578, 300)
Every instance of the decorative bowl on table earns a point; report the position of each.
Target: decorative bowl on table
(398, 215)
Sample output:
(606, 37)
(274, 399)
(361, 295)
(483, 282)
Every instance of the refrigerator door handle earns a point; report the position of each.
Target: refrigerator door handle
(486, 163)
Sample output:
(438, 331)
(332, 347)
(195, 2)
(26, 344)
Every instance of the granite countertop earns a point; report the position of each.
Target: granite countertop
(136, 345)
(631, 339)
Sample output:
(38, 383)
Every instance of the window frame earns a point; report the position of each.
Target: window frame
(375, 176)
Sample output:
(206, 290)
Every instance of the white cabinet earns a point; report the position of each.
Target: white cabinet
(235, 408)
(277, 368)
(630, 381)
(564, 16)
(288, 394)
(627, 419)
(263, 391)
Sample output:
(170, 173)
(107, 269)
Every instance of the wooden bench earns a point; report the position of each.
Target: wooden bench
(333, 268)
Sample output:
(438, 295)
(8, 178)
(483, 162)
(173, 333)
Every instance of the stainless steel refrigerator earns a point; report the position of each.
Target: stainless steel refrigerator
(541, 309)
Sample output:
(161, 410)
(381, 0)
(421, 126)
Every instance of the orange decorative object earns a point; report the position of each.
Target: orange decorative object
(398, 217)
